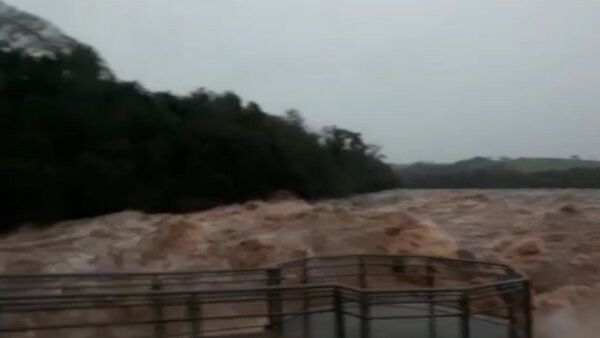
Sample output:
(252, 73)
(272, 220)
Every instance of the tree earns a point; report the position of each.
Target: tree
(295, 118)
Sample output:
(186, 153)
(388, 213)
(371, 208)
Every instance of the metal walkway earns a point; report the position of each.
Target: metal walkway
(361, 296)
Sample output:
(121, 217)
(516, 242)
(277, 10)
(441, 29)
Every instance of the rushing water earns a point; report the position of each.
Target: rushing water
(551, 235)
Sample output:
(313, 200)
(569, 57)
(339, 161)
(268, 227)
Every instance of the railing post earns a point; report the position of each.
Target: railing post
(527, 309)
(512, 318)
(362, 273)
(465, 314)
(304, 279)
(1, 310)
(194, 314)
(274, 306)
(431, 300)
(338, 306)
(364, 299)
(159, 326)
(365, 315)
(305, 301)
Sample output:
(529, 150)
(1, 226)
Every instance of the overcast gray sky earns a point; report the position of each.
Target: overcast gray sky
(427, 80)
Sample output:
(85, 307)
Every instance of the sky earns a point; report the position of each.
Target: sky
(427, 80)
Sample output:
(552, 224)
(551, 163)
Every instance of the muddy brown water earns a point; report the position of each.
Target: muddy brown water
(551, 235)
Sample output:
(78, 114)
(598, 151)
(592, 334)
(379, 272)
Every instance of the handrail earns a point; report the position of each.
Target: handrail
(271, 288)
(261, 289)
(249, 270)
(390, 256)
(131, 274)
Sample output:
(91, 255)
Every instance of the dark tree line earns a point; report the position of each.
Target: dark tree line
(76, 142)
(486, 173)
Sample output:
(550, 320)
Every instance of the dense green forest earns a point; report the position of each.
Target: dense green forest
(76, 142)
(480, 172)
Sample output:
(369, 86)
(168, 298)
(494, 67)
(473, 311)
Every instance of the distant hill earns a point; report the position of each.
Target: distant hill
(521, 164)
(482, 172)
(528, 164)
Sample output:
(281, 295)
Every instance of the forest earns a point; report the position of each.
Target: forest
(481, 172)
(77, 142)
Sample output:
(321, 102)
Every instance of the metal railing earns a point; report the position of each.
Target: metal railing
(367, 296)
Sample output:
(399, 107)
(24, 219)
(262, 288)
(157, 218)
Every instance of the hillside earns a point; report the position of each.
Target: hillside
(521, 164)
(481, 172)
(76, 142)
(31, 35)
(525, 164)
